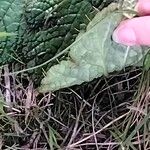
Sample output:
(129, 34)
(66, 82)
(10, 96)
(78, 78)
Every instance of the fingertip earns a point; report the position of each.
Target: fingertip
(124, 35)
(134, 31)
(143, 7)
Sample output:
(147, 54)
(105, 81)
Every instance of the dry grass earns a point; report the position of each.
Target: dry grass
(107, 114)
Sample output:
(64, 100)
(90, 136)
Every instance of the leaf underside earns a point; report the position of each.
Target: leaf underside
(93, 54)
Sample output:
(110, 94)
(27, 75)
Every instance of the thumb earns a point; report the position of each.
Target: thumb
(134, 31)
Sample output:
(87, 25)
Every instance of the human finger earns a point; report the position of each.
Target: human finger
(143, 7)
(134, 31)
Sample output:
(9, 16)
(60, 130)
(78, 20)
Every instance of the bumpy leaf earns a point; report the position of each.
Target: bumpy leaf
(93, 54)
(11, 12)
(42, 27)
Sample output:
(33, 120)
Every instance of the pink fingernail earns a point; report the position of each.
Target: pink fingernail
(125, 35)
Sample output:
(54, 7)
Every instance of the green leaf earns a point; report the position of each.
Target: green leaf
(51, 26)
(42, 28)
(93, 54)
(11, 22)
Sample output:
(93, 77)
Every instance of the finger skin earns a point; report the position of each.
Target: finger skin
(143, 7)
(134, 31)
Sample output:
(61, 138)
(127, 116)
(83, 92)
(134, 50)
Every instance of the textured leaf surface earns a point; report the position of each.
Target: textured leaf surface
(10, 22)
(42, 28)
(93, 54)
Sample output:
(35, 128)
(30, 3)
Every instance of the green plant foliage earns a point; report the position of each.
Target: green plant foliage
(5, 34)
(11, 12)
(93, 54)
(42, 27)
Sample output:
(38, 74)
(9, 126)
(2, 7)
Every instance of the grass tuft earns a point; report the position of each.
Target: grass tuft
(107, 113)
